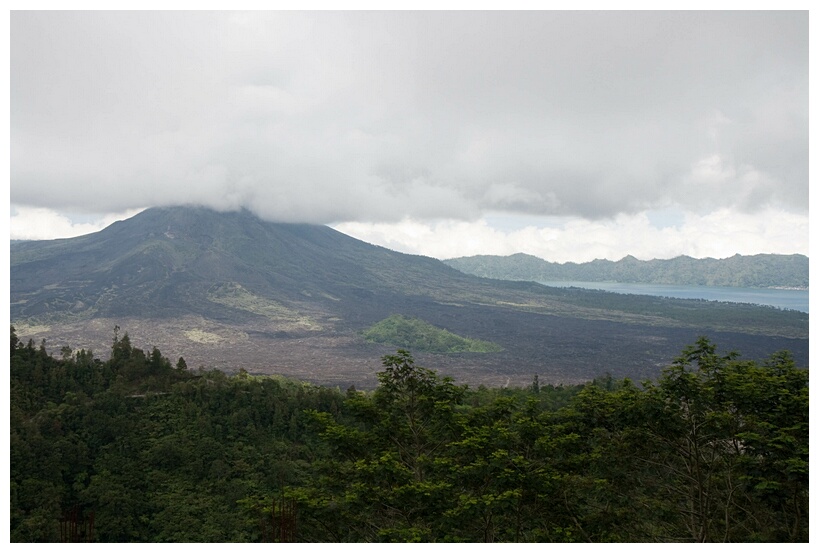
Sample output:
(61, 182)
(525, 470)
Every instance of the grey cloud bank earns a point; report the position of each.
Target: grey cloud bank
(329, 117)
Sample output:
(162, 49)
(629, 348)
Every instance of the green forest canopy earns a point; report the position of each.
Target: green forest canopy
(715, 450)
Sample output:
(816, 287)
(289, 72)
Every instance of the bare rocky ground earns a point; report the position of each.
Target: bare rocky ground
(561, 350)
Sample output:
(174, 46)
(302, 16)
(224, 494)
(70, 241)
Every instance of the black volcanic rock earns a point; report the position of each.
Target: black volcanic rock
(228, 290)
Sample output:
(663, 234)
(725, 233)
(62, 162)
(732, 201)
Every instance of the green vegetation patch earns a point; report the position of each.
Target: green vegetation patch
(418, 335)
(233, 294)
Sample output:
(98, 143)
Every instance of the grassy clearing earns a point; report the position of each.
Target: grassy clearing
(418, 335)
(232, 294)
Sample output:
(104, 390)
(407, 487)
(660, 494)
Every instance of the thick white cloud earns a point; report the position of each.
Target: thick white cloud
(378, 116)
(719, 234)
(39, 223)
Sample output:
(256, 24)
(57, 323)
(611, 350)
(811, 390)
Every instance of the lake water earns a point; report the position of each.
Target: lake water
(784, 299)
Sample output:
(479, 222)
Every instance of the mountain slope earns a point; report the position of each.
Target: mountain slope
(754, 271)
(230, 290)
(163, 262)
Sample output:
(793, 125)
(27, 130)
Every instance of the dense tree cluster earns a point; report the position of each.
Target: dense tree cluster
(714, 450)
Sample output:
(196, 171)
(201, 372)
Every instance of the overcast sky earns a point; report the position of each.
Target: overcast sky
(567, 135)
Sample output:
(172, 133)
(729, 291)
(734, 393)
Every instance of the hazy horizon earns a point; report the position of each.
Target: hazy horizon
(90, 228)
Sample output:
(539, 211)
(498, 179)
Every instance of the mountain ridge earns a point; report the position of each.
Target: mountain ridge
(748, 271)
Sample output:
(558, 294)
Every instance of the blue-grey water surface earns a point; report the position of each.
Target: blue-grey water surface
(784, 299)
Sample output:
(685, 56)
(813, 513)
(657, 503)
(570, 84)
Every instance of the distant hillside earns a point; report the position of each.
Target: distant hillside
(749, 271)
(229, 290)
